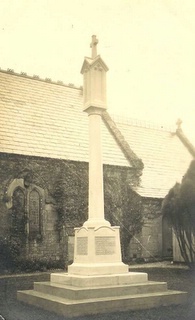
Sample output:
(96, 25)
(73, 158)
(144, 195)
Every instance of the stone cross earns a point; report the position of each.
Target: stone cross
(93, 47)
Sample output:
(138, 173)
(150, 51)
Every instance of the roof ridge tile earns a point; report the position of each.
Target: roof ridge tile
(143, 123)
(38, 78)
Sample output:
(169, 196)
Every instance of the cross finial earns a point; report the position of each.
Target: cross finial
(93, 47)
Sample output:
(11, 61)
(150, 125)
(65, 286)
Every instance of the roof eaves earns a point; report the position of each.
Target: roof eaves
(153, 193)
(130, 155)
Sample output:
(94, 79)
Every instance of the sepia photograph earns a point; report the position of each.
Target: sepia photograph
(97, 159)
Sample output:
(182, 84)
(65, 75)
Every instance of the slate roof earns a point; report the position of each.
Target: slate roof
(42, 118)
(165, 157)
(45, 119)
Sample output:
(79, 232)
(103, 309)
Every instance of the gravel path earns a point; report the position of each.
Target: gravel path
(178, 278)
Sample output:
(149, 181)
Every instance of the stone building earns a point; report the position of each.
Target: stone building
(44, 169)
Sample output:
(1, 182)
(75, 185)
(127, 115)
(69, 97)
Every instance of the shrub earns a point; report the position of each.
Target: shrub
(179, 207)
(9, 252)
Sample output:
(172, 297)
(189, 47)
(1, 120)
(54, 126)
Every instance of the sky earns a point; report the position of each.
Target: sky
(148, 46)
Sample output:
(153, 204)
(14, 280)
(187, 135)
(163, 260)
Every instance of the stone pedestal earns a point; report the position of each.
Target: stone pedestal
(97, 252)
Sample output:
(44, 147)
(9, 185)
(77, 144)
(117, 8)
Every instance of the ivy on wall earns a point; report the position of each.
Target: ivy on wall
(66, 186)
(123, 207)
(70, 192)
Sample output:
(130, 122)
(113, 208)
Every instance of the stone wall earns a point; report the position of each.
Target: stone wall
(148, 244)
(64, 189)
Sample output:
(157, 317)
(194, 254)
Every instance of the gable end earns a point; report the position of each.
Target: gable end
(131, 156)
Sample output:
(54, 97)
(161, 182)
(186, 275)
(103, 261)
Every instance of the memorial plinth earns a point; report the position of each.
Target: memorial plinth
(97, 252)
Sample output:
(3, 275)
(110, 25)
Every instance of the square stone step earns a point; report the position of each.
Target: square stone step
(99, 280)
(67, 307)
(75, 293)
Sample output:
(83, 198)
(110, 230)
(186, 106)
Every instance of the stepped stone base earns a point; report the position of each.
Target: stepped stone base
(75, 295)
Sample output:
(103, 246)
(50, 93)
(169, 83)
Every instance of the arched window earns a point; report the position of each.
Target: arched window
(34, 214)
(27, 206)
(18, 212)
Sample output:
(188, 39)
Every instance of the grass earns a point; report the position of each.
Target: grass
(177, 279)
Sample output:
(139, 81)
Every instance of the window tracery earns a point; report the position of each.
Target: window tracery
(26, 204)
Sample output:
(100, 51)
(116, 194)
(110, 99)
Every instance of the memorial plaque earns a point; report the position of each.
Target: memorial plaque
(105, 245)
(82, 246)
